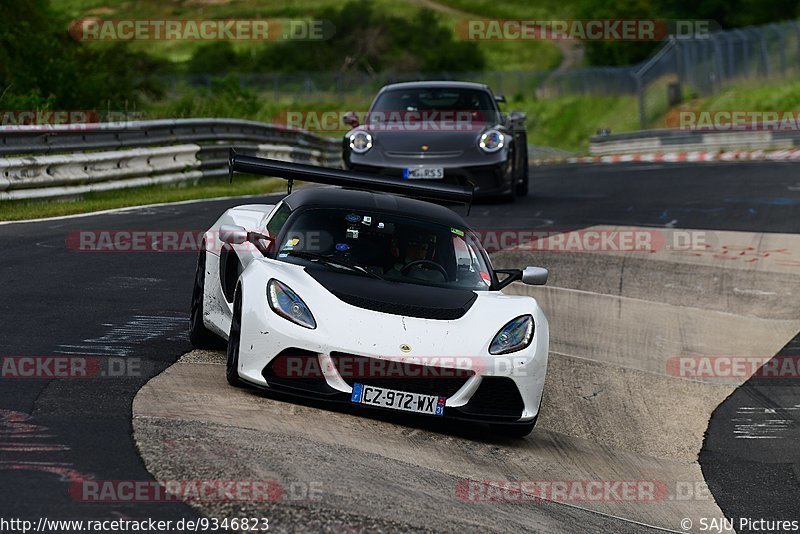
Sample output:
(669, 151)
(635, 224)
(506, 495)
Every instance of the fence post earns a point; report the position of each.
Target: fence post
(729, 44)
(718, 60)
(797, 46)
(745, 52)
(679, 62)
(762, 45)
(782, 51)
(640, 93)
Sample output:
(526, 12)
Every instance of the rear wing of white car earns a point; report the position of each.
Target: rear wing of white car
(347, 179)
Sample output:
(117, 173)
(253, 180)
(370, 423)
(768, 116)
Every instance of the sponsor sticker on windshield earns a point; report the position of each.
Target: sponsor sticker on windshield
(457, 232)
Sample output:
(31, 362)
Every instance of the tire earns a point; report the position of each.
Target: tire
(232, 361)
(518, 430)
(200, 336)
(522, 187)
(511, 194)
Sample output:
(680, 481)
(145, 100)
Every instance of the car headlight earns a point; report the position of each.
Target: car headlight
(360, 142)
(492, 141)
(288, 305)
(515, 335)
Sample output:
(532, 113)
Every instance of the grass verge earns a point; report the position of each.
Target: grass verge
(15, 210)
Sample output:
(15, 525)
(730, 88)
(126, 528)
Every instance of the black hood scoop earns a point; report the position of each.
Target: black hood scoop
(397, 298)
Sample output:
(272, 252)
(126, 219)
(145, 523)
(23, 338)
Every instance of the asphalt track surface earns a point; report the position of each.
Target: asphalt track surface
(133, 306)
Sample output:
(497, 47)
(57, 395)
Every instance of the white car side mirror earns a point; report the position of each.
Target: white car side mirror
(232, 234)
(534, 276)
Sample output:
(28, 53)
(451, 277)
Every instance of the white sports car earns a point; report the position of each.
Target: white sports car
(371, 299)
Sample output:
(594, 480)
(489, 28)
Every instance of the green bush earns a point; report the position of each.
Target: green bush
(42, 67)
(218, 58)
(364, 40)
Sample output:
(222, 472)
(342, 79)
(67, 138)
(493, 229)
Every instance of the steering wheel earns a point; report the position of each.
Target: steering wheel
(408, 266)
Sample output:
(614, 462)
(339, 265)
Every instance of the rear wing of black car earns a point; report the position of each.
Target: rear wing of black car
(347, 179)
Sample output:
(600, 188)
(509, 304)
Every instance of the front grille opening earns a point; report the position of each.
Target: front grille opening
(298, 370)
(400, 376)
(496, 396)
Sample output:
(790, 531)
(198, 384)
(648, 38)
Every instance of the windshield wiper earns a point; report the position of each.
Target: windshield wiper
(327, 260)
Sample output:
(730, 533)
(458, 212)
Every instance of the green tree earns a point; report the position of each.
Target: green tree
(218, 57)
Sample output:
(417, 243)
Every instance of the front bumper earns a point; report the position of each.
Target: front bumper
(486, 398)
(487, 388)
(487, 179)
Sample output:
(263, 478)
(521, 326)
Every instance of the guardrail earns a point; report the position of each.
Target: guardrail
(666, 140)
(67, 160)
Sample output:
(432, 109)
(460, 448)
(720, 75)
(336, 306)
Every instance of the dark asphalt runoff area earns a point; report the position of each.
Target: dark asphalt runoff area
(132, 308)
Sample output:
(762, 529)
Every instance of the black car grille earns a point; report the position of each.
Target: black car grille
(408, 310)
(496, 396)
(425, 155)
(423, 379)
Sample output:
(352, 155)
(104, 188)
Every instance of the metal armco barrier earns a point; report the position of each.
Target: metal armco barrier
(65, 160)
(667, 140)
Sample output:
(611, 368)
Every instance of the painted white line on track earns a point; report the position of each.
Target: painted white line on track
(132, 208)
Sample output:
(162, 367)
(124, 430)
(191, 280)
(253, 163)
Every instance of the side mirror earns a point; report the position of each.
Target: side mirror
(236, 235)
(534, 276)
(517, 116)
(500, 99)
(232, 234)
(350, 119)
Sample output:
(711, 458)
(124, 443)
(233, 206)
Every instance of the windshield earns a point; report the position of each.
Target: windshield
(447, 101)
(386, 246)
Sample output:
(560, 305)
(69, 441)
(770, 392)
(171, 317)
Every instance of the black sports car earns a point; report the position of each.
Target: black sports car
(447, 132)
